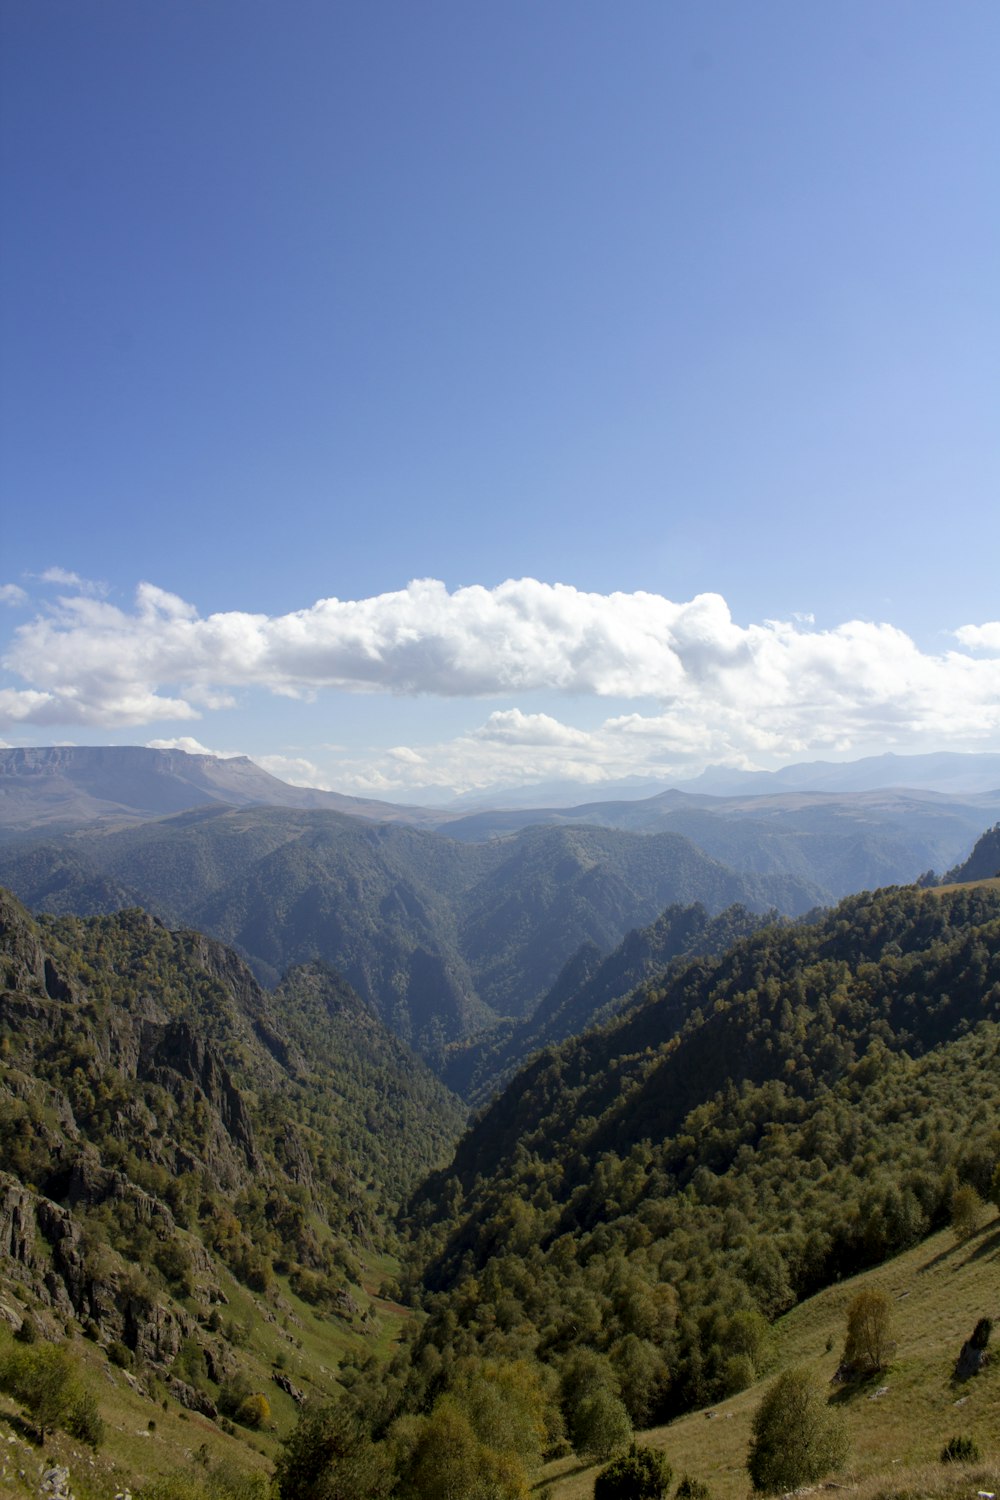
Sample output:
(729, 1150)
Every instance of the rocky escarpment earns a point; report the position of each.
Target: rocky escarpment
(66, 1276)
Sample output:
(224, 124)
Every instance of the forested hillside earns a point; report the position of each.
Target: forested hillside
(609, 1246)
(164, 1122)
(589, 989)
(441, 938)
(640, 1202)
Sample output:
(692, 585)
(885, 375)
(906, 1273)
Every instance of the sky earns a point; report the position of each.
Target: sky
(435, 398)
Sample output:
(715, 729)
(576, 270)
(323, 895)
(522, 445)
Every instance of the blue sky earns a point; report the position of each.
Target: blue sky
(628, 305)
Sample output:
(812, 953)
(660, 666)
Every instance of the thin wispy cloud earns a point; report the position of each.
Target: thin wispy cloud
(64, 578)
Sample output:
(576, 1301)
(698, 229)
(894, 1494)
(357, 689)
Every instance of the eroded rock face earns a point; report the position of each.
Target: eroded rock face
(22, 961)
(175, 1051)
(17, 1223)
(43, 1246)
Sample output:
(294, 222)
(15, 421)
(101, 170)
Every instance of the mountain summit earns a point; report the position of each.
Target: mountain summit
(63, 786)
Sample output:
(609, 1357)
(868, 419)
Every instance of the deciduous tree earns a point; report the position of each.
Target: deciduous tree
(796, 1437)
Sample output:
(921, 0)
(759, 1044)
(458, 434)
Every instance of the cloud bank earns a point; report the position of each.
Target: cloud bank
(721, 690)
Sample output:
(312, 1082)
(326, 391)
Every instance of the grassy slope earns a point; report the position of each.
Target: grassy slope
(940, 1289)
(286, 1337)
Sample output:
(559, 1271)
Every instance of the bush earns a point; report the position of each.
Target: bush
(640, 1474)
(330, 1454)
(796, 1438)
(82, 1419)
(254, 1411)
(43, 1377)
(959, 1450)
(693, 1489)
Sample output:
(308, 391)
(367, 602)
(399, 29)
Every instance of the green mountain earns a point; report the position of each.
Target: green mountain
(156, 1102)
(589, 989)
(641, 1201)
(439, 937)
(842, 842)
(984, 861)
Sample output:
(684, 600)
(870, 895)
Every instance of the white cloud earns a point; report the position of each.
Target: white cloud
(980, 637)
(726, 693)
(405, 755)
(63, 578)
(510, 726)
(190, 747)
(294, 769)
(12, 594)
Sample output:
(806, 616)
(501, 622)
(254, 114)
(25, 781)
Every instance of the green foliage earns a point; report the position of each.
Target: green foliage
(640, 1474)
(693, 1489)
(27, 1333)
(45, 1379)
(82, 1418)
(869, 1341)
(442, 1456)
(796, 1438)
(960, 1450)
(600, 1425)
(754, 1127)
(222, 1483)
(254, 1411)
(966, 1211)
(330, 1456)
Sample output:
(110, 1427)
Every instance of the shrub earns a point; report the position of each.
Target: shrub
(82, 1418)
(959, 1450)
(330, 1454)
(43, 1377)
(640, 1474)
(693, 1489)
(254, 1411)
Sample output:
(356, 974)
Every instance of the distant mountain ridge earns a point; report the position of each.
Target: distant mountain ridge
(63, 786)
(440, 937)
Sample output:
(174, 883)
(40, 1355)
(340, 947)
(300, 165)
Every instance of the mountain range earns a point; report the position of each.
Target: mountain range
(445, 927)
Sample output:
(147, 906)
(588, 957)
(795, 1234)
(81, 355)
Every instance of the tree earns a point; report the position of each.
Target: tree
(796, 1437)
(966, 1211)
(600, 1425)
(447, 1461)
(869, 1342)
(330, 1456)
(640, 1474)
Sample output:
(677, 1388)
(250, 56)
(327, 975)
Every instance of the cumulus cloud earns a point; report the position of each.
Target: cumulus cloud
(294, 769)
(725, 692)
(980, 637)
(512, 727)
